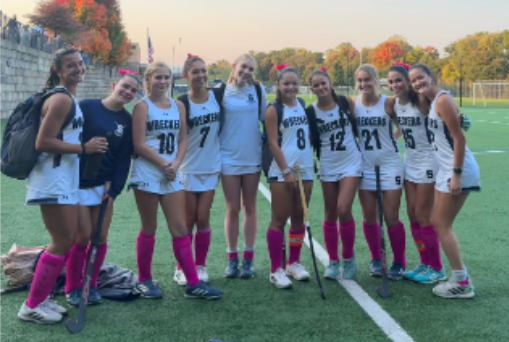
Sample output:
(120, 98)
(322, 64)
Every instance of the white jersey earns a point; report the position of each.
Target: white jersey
(203, 153)
(294, 140)
(443, 143)
(162, 136)
(339, 152)
(241, 139)
(59, 174)
(414, 128)
(376, 137)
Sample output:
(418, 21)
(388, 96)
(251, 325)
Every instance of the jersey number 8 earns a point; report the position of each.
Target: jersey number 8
(301, 139)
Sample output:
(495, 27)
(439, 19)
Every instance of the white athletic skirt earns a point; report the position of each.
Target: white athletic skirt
(160, 187)
(306, 175)
(34, 197)
(199, 182)
(238, 170)
(91, 196)
(392, 180)
(470, 180)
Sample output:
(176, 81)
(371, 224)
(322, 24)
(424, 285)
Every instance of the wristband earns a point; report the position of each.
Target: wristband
(286, 171)
(457, 170)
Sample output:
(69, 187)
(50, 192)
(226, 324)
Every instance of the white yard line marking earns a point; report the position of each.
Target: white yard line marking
(492, 122)
(494, 151)
(381, 318)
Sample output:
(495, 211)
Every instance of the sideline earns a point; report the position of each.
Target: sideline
(381, 318)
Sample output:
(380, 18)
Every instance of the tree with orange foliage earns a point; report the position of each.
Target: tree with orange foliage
(55, 16)
(385, 54)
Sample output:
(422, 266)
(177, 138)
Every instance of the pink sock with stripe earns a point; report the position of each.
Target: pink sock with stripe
(397, 239)
(46, 273)
(372, 236)
(347, 233)
(295, 241)
(275, 245)
(331, 239)
(75, 267)
(415, 228)
(144, 251)
(184, 254)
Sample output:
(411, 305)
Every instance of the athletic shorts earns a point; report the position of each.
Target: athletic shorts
(392, 180)
(420, 175)
(277, 177)
(238, 170)
(34, 197)
(470, 180)
(199, 183)
(160, 187)
(339, 176)
(91, 196)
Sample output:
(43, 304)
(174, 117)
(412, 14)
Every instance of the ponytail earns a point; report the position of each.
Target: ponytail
(56, 64)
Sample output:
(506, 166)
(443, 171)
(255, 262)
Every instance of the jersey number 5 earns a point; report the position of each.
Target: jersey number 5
(166, 143)
(409, 139)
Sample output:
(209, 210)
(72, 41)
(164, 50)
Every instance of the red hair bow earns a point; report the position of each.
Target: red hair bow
(190, 56)
(280, 67)
(404, 65)
(324, 69)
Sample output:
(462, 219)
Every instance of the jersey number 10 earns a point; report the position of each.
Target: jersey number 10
(166, 143)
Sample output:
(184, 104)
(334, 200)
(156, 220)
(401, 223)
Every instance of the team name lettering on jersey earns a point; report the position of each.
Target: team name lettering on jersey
(162, 124)
(433, 123)
(331, 126)
(374, 121)
(409, 121)
(205, 119)
(295, 121)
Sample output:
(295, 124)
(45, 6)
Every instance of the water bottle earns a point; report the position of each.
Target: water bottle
(94, 163)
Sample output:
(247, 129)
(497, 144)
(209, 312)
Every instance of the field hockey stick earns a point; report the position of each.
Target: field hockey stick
(306, 220)
(75, 327)
(384, 290)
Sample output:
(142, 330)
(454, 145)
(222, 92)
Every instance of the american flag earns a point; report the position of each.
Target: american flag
(150, 50)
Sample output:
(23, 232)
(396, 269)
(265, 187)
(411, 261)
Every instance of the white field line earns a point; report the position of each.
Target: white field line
(492, 122)
(381, 318)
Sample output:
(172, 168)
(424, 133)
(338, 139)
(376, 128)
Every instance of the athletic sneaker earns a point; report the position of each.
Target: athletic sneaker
(430, 276)
(202, 274)
(280, 279)
(179, 277)
(410, 275)
(53, 306)
(333, 271)
(297, 271)
(349, 268)
(41, 314)
(246, 270)
(452, 289)
(201, 290)
(93, 297)
(148, 289)
(375, 268)
(73, 297)
(396, 271)
(232, 270)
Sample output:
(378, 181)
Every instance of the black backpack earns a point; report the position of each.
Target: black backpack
(266, 152)
(19, 156)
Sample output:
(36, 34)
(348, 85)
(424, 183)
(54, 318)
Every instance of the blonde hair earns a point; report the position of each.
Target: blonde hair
(236, 61)
(151, 68)
(371, 71)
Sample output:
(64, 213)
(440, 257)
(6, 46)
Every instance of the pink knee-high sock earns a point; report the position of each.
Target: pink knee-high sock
(144, 251)
(419, 243)
(430, 239)
(397, 239)
(372, 236)
(275, 244)
(74, 267)
(295, 241)
(100, 255)
(46, 273)
(184, 254)
(331, 239)
(201, 246)
(190, 235)
(347, 233)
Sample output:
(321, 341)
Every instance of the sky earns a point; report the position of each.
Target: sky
(224, 29)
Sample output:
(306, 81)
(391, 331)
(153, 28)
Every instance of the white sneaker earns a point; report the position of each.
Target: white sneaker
(180, 278)
(202, 274)
(53, 306)
(297, 271)
(280, 279)
(40, 314)
(452, 289)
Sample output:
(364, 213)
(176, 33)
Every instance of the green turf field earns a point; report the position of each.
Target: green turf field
(254, 310)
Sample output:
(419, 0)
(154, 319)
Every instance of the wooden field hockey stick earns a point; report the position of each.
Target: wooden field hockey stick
(384, 290)
(306, 220)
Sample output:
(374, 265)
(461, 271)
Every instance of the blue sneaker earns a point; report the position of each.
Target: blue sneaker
(333, 271)
(148, 289)
(349, 268)
(232, 270)
(396, 271)
(73, 297)
(430, 276)
(410, 275)
(246, 270)
(375, 269)
(201, 290)
(93, 297)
